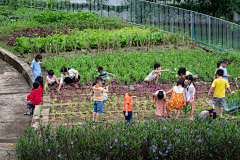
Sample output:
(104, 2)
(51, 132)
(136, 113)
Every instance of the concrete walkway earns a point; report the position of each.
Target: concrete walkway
(13, 92)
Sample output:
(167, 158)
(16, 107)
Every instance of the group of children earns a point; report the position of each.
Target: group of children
(183, 92)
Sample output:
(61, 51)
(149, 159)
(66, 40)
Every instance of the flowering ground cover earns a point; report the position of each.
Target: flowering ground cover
(151, 139)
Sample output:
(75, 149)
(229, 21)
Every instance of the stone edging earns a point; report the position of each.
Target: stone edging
(18, 64)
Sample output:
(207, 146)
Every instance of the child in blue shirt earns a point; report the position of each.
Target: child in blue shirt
(224, 68)
(35, 67)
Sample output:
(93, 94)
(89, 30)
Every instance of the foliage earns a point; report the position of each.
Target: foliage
(38, 32)
(155, 139)
(89, 38)
(135, 66)
(34, 18)
(186, 109)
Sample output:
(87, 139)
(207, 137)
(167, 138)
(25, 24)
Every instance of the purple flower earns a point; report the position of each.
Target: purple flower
(48, 150)
(59, 155)
(71, 142)
(99, 123)
(144, 137)
(166, 151)
(186, 149)
(191, 131)
(160, 152)
(133, 125)
(125, 144)
(46, 140)
(168, 147)
(154, 150)
(196, 136)
(116, 140)
(55, 135)
(127, 123)
(37, 137)
(52, 125)
(156, 157)
(50, 129)
(230, 142)
(164, 127)
(179, 140)
(199, 140)
(210, 134)
(193, 151)
(145, 140)
(118, 128)
(128, 132)
(153, 146)
(176, 130)
(111, 147)
(52, 134)
(166, 117)
(170, 144)
(148, 121)
(165, 141)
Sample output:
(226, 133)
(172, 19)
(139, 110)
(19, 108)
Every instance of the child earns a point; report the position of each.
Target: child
(219, 64)
(35, 67)
(104, 75)
(128, 103)
(154, 75)
(225, 76)
(35, 98)
(205, 114)
(98, 98)
(69, 75)
(219, 94)
(51, 79)
(178, 98)
(160, 100)
(39, 79)
(182, 73)
(190, 92)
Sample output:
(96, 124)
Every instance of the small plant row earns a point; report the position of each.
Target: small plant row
(135, 66)
(153, 139)
(89, 38)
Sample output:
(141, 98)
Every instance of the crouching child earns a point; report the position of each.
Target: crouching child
(35, 98)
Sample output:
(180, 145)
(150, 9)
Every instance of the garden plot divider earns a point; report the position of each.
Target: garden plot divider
(208, 30)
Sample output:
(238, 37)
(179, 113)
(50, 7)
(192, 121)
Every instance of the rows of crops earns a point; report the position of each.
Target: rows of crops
(135, 66)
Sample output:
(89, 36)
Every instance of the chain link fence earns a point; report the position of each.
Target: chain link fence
(202, 28)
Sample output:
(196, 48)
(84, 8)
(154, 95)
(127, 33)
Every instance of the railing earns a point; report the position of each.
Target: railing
(4, 2)
(202, 28)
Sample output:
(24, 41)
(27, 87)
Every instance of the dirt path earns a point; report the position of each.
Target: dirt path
(13, 92)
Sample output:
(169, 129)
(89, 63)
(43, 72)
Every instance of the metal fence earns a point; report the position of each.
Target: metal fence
(202, 28)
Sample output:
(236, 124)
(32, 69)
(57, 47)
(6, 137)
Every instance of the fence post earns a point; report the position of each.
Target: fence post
(101, 7)
(209, 34)
(191, 27)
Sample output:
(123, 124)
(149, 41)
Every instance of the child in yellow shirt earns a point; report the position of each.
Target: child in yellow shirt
(219, 94)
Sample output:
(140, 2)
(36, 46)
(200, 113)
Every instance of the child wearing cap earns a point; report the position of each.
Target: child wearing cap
(128, 103)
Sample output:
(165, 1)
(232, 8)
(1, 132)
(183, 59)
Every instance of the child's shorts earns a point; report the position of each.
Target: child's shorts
(30, 105)
(129, 117)
(192, 104)
(221, 101)
(98, 106)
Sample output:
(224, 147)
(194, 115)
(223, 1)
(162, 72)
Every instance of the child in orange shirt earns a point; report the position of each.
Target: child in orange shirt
(128, 102)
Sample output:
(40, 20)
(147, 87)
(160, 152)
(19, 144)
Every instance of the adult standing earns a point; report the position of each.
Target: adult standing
(69, 75)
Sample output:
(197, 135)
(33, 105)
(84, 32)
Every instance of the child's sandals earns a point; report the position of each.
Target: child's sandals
(26, 114)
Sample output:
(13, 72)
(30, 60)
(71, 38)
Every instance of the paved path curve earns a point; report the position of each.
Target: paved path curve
(13, 92)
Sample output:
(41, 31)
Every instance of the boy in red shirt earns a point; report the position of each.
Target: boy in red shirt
(128, 102)
(35, 98)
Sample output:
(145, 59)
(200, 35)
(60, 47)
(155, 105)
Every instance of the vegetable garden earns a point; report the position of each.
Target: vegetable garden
(85, 41)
